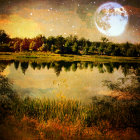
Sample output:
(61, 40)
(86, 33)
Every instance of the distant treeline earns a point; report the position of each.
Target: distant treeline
(68, 45)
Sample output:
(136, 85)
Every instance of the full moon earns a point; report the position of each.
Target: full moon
(111, 19)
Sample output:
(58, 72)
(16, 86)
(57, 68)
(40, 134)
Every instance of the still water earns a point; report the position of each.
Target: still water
(74, 80)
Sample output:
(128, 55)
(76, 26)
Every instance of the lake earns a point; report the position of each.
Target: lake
(73, 80)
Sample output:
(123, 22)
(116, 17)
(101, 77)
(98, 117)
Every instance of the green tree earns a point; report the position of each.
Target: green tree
(82, 43)
(92, 49)
(75, 48)
(50, 42)
(101, 49)
(117, 50)
(67, 47)
(109, 49)
(86, 49)
(53, 48)
(132, 52)
(60, 41)
(124, 48)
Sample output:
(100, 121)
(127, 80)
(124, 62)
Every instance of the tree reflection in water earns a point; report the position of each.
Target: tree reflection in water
(128, 85)
(73, 66)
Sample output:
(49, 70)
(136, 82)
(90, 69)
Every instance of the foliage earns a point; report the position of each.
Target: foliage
(104, 39)
(68, 45)
(4, 38)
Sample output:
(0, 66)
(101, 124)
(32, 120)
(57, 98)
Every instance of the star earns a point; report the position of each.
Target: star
(51, 30)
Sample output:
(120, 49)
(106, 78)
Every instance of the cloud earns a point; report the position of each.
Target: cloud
(16, 26)
(4, 21)
(132, 10)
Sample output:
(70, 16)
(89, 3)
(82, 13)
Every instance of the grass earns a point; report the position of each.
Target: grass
(106, 118)
(120, 114)
(31, 129)
(40, 56)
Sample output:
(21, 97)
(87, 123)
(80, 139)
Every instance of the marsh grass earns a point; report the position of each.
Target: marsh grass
(118, 113)
(105, 117)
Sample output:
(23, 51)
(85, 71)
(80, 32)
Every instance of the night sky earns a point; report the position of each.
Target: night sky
(28, 18)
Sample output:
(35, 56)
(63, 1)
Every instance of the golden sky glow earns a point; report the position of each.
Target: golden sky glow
(29, 23)
(18, 26)
(52, 18)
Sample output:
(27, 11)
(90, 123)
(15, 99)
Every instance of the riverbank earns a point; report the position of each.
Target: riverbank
(41, 56)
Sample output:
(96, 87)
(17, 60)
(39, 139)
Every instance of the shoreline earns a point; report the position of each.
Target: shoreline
(41, 56)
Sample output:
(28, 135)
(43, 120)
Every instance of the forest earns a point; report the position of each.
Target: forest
(68, 45)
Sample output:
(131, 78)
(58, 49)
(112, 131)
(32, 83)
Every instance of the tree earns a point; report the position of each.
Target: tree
(124, 48)
(33, 46)
(104, 39)
(4, 38)
(44, 47)
(85, 49)
(82, 43)
(67, 47)
(39, 40)
(60, 41)
(17, 46)
(24, 45)
(101, 49)
(50, 41)
(92, 49)
(21, 46)
(53, 48)
(132, 52)
(109, 50)
(75, 48)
